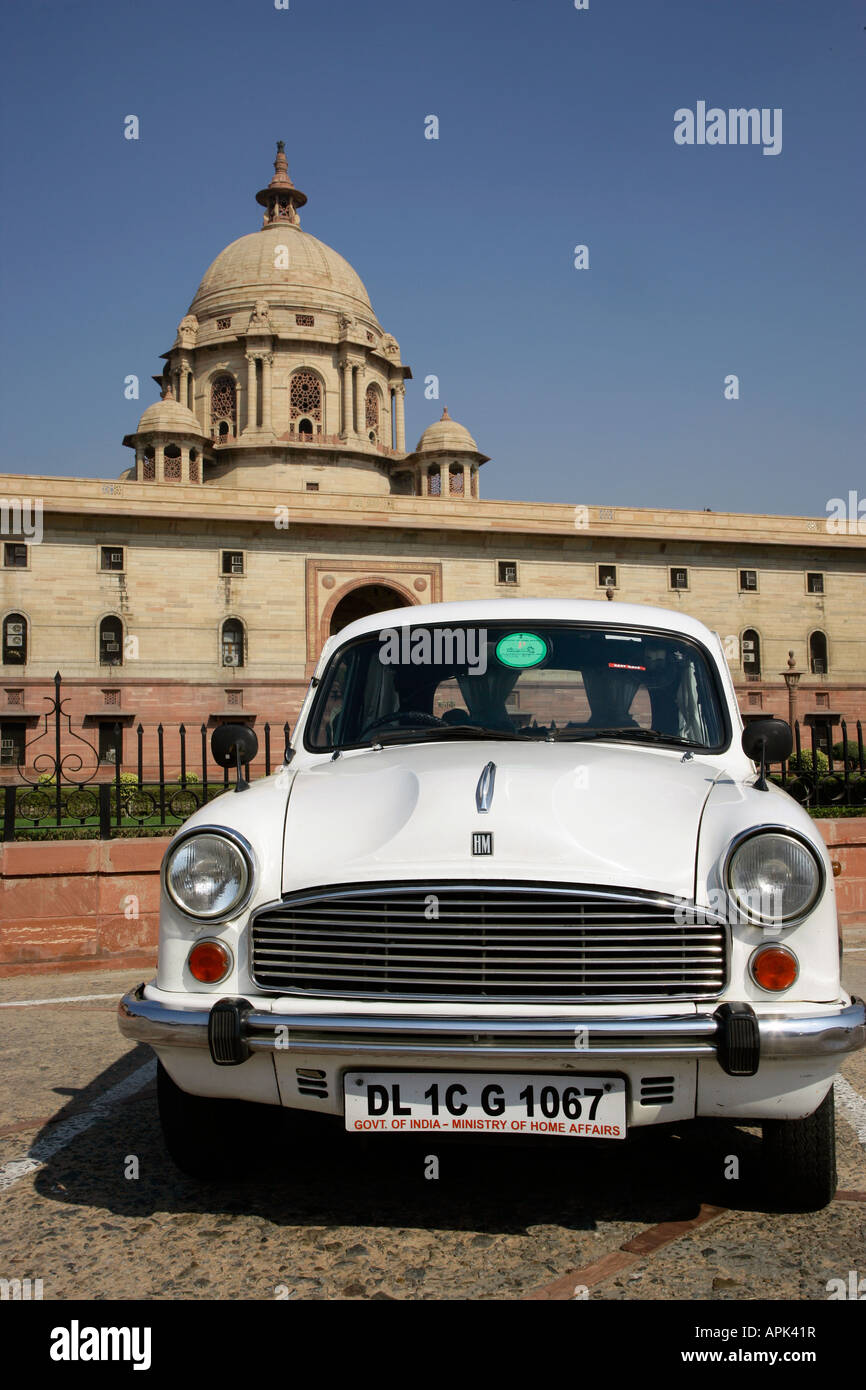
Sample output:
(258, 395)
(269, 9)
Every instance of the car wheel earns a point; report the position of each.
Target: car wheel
(207, 1137)
(799, 1159)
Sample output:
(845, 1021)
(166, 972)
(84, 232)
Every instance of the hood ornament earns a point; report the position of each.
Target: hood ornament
(484, 790)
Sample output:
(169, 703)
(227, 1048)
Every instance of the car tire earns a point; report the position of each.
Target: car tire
(207, 1137)
(799, 1159)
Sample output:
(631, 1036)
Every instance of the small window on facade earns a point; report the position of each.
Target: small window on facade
(818, 654)
(232, 643)
(507, 570)
(312, 487)
(679, 578)
(110, 742)
(607, 576)
(11, 745)
(305, 320)
(748, 581)
(111, 642)
(233, 562)
(14, 555)
(751, 645)
(224, 323)
(15, 640)
(111, 558)
(814, 583)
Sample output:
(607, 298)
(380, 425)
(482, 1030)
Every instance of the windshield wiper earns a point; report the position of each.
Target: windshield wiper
(650, 735)
(450, 731)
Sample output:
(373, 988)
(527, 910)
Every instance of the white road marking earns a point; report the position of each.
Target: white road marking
(854, 1106)
(62, 1134)
(61, 999)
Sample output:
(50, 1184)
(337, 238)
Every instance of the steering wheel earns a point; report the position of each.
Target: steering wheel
(414, 716)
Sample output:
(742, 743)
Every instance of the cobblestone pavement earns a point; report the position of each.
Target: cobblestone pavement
(331, 1216)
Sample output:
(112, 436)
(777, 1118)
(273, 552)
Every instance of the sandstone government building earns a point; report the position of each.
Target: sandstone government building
(271, 498)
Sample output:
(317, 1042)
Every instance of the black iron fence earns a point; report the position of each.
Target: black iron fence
(832, 775)
(63, 787)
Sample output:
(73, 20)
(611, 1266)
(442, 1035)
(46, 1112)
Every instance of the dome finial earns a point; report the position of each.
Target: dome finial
(281, 199)
(445, 415)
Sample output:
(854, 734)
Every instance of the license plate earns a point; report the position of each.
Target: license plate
(575, 1107)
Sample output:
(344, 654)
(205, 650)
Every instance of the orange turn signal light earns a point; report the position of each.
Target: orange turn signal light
(209, 962)
(774, 968)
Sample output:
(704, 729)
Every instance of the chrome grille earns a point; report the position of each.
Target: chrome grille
(512, 942)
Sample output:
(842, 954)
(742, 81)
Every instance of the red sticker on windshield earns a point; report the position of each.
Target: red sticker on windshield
(624, 666)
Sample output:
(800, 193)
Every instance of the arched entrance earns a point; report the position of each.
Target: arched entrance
(363, 600)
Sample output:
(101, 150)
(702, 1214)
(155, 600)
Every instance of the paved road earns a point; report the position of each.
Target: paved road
(333, 1216)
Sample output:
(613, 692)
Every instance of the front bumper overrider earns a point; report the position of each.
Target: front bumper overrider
(738, 1037)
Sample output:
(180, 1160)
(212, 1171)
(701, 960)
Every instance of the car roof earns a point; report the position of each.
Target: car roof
(536, 610)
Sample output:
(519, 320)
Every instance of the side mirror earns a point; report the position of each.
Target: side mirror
(233, 745)
(767, 741)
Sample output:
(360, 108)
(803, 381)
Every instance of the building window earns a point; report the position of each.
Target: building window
(110, 742)
(11, 745)
(224, 323)
(305, 398)
(111, 642)
(312, 487)
(224, 408)
(148, 466)
(305, 320)
(751, 649)
(233, 562)
(822, 699)
(679, 578)
(111, 697)
(455, 480)
(814, 583)
(232, 643)
(235, 698)
(15, 640)
(14, 555)
(434, 481)
(371, 411)
(171, 465)
(607, 576)
(818, 663)
(111, 557)
(506, 571)
(748, 581)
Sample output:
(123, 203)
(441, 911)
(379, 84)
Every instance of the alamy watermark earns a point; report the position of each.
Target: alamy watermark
(21, 517)
(438, 646)
(736, 126)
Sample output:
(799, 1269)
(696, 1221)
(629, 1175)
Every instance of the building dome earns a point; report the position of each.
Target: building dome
(169, 416)
(316, 277)
(446, 436)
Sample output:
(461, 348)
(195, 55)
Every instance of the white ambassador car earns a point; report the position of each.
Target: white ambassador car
(521, 873)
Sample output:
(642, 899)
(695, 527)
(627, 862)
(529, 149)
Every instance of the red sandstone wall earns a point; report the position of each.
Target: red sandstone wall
(71, 904)
(80, 904)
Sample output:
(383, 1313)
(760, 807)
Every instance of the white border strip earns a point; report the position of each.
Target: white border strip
(61, 999)
(854, 1106)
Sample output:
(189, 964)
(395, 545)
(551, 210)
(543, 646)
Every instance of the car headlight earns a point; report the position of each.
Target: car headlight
(209, 873)
(773, 876)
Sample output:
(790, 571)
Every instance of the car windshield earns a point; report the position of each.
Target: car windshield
(562, 681)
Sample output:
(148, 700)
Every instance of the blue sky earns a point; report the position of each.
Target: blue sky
(599, 386)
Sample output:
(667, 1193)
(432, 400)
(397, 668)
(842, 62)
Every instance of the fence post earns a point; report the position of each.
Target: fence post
(9, 812)
(104, 810)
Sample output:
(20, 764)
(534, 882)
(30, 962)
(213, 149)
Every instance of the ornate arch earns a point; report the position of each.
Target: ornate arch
(306, 398)
(364, 582)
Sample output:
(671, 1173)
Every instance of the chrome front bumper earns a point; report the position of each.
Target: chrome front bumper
(776, 1036)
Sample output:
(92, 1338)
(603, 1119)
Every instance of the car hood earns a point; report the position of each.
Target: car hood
(615, 814)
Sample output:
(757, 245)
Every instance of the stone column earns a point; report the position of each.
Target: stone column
(356, 398)
(184, 463)
(400, 392)
(347, 396)
(267, 363)
(252, 404)
(159, 462)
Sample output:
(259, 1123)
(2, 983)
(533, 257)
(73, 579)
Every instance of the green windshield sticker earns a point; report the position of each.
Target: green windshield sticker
(521, 649)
